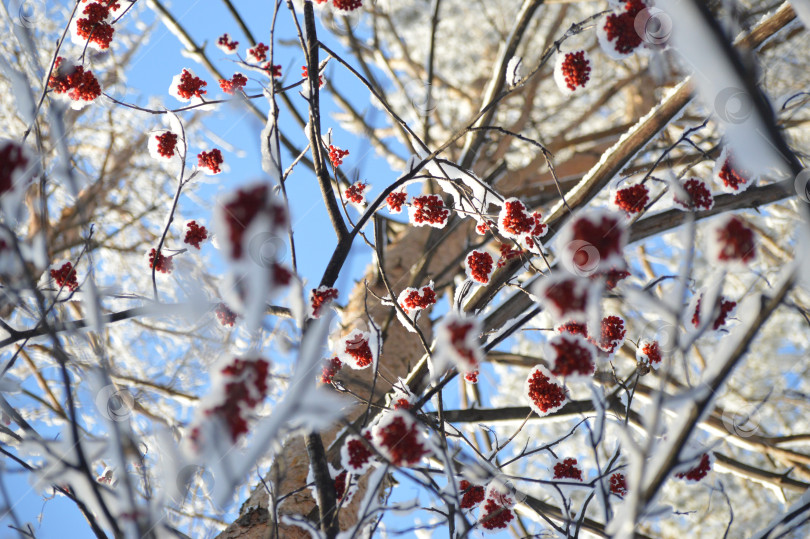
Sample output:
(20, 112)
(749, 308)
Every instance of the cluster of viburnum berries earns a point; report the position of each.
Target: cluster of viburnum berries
(345, 5)
(246, 384)
(73, 81)
(94, 24)
(65, 277)
(690, 194)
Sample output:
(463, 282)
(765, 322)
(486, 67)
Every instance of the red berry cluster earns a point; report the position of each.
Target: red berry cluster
(348, 5)
(355, 191)
(95, 27)
(572, 356)
(574, 328)
(305, 75)
(336, 155)
(167, 143)
(621, 27)
(237, 82)
(567, 296)
(245, 389)
(480, 265)
(395, 201)
(259, 52)
(471, 495)
(508, 253)
(65, 277)
(226, 316)
(402, 403)
(12, 160)
(163, 264)
(429, 209)
(605, 233)
(652, 351)
(699, 194)
(190, 86)
(419, 299)
(398, 438)
(736, 241)
(77, 83)
(461, 333)
(576, 70)
(274, 70)
(544, 393)
(330, 370)
(358, 453)
(538, 229)
(612, 277)
(211, 160)
(612, 334)
(698, 472)
(485, 226)
(320, 297)
(195, 234)
(340, 485)
(358, 348)
(726, 306)
(732, 178)
(225, 42)
(632, 199)
(496, 516)
(240, 212)
(618, 485)
(472, 377)
(514, 219)
(567, 469)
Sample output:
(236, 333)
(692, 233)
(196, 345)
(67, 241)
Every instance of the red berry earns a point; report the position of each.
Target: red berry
(65, 277)
(167, 143)
(479, 266)
(546, 395)
(330, 370)
(210, 160)
(395, 201)
(428, 210)
(195, 234)
(735, 240)
(698, 472)
(700, 196)
(618, 485)
(632, 199)
(163, 264)
(576, 69)
(336, 155)
(226, 316)
(567, 469)
(258, 53)
(190, 86)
